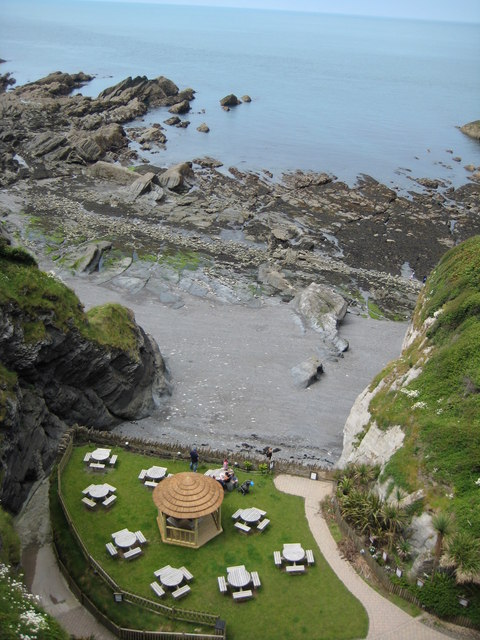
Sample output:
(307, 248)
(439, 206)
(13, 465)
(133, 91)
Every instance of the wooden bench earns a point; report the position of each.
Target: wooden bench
(113, 459)
(142, 474)
(85, 491)
(237, 513)
(110, 488)
(132, 553)
(112, 550)
(140, 537)
(114, 535)
(157, 589)
(150, 483)
(98, 466)
(109, 501)
(186, 573)
(181, 591)
(277, 558)
(244, 528)
(89, 503)
(262, 524)
(255, 579)
(295, 568)
(87, 457)
(242, 595)
(310, 558)
(222, 584)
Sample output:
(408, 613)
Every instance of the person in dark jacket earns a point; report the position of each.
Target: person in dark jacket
(194, 459)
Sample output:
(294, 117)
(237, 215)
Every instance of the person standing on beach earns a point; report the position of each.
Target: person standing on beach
(194, 459)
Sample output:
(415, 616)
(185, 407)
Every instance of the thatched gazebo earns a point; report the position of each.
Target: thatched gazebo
(189, 509)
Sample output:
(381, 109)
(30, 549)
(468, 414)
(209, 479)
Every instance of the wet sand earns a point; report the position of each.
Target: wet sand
(230, 369)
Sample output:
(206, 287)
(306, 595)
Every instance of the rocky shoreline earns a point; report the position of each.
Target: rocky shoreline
(76, 191)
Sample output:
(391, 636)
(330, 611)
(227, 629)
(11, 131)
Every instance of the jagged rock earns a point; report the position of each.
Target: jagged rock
(176, 176)
(307, 372)
(422, 537)
(152, 134)
(207, 161)
(173, 121)
(246, 98)
(377, 446)
(45, 142)
(113, 172)
(472, 129)
(230, 101)
(85, 258)
(275, 279)
(322, 309)
(143, 184)
(180, 107)
(203, 128)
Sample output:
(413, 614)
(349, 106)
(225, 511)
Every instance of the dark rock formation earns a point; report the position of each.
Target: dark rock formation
(53, 375)
(43, 121)
(472, 129)
(203, 128)
(307, 372)
(230, 101)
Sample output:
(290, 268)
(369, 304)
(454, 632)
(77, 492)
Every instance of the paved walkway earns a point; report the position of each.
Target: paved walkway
(386, 621)
(57, 599)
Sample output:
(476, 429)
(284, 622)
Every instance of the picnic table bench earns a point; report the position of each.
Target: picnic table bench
(150, 483)
(242, 595)
(244, 528)
(109, 501)
(262, 524)
(157, 589)
(140, 537)
(310, 558)
(112, 550)
(97, 466)
(277, 558)
(295, 568)
(186, 573)
(255, 579)
(113, 459)
(181, 591)
(89, 503)
(132, 553)
(222, 584)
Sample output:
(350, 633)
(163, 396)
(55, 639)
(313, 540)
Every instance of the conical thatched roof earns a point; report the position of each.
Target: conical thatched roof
(188, 495)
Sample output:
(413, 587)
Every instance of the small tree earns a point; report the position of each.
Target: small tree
(463, 554)
(443, 524)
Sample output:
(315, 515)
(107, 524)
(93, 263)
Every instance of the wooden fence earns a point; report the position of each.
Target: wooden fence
(380, 573)
(186, 615)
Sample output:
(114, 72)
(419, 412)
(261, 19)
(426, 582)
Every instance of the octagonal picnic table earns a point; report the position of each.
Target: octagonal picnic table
(293, 553)
(251, 515)
(238, 577)
(125, 539)
(100, 455)
(98, 491)
(156, 473)
(171, 577)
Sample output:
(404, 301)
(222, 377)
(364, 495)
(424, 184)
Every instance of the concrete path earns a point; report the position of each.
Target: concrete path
(57, 599)
(386, 621)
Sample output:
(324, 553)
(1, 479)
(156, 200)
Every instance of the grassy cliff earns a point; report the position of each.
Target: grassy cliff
(439, 409)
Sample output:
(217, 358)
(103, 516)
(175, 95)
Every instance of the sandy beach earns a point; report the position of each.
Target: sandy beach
(230, 367)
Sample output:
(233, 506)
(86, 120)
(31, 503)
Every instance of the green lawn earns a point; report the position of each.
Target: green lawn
(314, 605)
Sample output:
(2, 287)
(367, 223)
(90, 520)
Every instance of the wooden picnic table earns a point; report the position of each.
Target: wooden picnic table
(156, 473)
(238, 577)
(251, 515)
(171, 577)
(125, 539)
(98, 491)
(293, 553)
(100, 455)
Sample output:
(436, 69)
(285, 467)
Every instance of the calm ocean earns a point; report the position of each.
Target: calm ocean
(347, 95)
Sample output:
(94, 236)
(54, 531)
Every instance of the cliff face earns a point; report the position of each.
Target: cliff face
(60, 366)
(420, 418)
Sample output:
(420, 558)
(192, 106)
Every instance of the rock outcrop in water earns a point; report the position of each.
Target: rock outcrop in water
(60, 366)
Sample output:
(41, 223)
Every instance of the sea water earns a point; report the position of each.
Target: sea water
(342, 94)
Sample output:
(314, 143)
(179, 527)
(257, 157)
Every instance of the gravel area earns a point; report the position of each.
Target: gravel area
(230, 368)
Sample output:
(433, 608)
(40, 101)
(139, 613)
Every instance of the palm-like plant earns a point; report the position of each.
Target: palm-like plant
(463, 553)
(393, 521)
(344, 485)
(443, 524)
